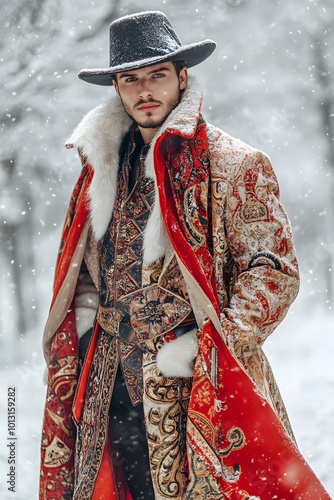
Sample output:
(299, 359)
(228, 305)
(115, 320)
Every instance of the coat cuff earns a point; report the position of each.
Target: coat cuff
(176, 358)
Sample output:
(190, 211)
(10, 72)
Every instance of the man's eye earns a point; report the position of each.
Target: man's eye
(130, 79)
(158, 75)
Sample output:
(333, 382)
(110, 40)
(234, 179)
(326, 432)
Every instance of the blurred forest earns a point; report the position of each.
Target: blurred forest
(270, 82)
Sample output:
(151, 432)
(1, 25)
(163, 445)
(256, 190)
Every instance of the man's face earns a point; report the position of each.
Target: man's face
(149, 94)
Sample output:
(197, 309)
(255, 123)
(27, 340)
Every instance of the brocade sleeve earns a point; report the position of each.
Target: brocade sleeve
(260, 241)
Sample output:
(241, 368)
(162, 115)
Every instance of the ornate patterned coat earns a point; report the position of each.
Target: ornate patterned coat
(217, 212)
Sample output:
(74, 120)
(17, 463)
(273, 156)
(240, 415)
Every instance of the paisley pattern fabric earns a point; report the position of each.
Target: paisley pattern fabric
(229, 420)
(230, 200)
(59, 433)
(166, 403)
(76, 215)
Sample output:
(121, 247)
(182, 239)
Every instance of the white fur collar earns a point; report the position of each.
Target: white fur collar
(99, 136)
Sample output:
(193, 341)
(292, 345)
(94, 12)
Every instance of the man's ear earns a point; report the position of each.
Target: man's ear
(115, 87)
(183, 78)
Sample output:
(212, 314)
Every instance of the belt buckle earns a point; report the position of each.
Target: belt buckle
(126, 333)
(154, 311)
(109, 319)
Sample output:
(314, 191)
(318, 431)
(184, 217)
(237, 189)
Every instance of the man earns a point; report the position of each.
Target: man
(176, 263)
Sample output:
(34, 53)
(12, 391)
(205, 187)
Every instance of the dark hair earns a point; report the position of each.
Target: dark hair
(178, 65)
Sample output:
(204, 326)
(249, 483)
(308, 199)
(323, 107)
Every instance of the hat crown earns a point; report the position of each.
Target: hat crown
(141, 36)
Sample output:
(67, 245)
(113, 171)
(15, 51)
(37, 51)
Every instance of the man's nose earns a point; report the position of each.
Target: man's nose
(145, 92)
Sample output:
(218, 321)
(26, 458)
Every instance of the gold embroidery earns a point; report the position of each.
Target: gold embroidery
(166, 402)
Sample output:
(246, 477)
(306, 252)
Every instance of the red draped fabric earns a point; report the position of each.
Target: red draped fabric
(231, 427)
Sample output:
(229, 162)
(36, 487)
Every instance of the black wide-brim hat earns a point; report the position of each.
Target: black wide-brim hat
(144, 39)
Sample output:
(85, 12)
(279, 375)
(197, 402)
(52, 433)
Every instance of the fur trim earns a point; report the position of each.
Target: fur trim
(176, 358)
(99, 136)
(155, 241)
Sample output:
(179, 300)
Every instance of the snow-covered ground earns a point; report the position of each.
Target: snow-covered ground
(27, 379)
(301, 353)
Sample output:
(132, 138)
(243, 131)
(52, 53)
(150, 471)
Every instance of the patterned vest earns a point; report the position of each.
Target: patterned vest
(122, 248)
(130, 299)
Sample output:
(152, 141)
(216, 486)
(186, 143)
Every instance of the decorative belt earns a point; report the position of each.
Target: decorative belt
(145, 314)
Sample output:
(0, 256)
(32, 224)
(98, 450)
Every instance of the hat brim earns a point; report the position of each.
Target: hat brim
(192, 55)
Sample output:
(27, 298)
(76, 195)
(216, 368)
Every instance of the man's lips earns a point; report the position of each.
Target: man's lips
(148, 106)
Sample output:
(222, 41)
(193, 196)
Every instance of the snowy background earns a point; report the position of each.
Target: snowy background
(270, 82)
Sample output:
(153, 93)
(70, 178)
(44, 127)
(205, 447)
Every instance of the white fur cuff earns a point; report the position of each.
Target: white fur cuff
(176, 358)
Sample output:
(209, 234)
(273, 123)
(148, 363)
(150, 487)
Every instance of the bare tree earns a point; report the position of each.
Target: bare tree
(26, 29)
(321, 35)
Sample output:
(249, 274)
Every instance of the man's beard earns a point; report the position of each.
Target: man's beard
(149, 121)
